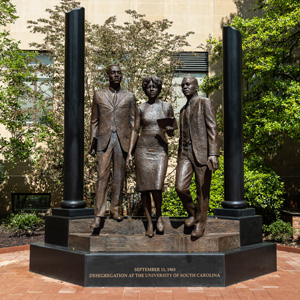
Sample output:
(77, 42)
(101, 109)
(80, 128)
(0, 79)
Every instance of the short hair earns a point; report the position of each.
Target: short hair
(193, 78)
(108, 68)
(156, 80)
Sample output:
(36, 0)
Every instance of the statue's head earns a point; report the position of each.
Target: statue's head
(114, 74)
(151, 85)
(189, 86)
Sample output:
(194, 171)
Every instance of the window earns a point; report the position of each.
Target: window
(194, 64)
(30, 202)
(35, 112)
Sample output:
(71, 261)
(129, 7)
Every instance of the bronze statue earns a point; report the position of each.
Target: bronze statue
(154, 117)
(112, 120)
(198, 153)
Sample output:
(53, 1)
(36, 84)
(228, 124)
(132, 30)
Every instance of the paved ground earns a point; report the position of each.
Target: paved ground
(16, 282)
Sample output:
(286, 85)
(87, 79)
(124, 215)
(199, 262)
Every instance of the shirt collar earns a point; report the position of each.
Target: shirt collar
(191, 101)
(113, 90)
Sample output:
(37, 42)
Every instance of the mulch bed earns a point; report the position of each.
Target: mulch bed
(7, 238)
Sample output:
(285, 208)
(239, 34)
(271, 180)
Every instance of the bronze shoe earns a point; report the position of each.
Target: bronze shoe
(96, 223)
(149, 231)
(116, 216)
(160, 225)
(198, 230)
(189, 222)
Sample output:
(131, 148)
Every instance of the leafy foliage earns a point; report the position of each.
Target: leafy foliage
(171, 205)
(7, 12)
(263, 190)
(279, 231)
(25, 223)
(271, 68)
(15, 75)
(140, 47)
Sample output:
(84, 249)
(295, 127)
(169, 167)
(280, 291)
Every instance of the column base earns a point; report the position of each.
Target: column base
(250, 224)
(73, 204)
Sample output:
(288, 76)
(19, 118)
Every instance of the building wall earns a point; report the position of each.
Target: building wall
(204, 17)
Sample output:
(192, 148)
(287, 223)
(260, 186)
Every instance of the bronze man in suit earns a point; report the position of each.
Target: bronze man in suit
(198, 152)
(112, 119)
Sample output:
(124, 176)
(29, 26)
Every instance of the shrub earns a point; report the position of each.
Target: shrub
(172, 206)
(279, 231)
(25, 223)
(263, 190)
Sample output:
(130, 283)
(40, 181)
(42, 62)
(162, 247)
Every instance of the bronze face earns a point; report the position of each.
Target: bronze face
(151, 90)
(189, 87)
(115, 75)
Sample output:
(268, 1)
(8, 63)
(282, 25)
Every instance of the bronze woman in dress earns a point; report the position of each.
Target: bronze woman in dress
(151, 154)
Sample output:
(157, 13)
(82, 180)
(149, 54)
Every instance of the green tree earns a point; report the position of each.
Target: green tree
(271, 68)
(140, 47)
(16, 74)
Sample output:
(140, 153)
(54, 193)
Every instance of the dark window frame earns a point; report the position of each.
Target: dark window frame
(18, 208)
(192, 62)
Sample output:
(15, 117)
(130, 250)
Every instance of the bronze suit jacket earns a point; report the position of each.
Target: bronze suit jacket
(103, 113)
(203, 129)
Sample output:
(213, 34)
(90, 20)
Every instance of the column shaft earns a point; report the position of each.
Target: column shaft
(233, 121)
(74, 110)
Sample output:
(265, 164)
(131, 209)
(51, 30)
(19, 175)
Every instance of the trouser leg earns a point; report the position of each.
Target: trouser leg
(184, 174)
(119, 164)
(203, 179)
(103, 170)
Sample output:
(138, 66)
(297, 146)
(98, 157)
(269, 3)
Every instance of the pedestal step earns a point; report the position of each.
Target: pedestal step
(129, 236)
(212, 242)
(132, 226)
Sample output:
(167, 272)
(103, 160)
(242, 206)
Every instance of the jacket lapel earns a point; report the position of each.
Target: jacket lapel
(107, 95)
(181, 126)
(121, 96)
(195, 109)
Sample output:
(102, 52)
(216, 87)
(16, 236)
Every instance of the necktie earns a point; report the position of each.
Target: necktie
(115, 98)
(113, 124)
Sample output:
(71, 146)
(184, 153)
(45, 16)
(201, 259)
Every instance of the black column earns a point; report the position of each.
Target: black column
(233, 121)
(74, 110)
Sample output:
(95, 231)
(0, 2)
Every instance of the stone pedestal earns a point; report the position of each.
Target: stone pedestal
(120, 255)
(57, 226)
(250, 225)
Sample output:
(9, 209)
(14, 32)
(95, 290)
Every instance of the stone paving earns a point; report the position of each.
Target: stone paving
(16, 282)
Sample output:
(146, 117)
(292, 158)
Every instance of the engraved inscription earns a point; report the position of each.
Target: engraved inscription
(155, 272)
(115, 243)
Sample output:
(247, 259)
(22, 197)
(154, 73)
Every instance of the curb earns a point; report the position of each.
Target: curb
(288, 249)
(14, 249)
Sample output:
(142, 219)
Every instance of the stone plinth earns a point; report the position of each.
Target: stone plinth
(129, 236)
